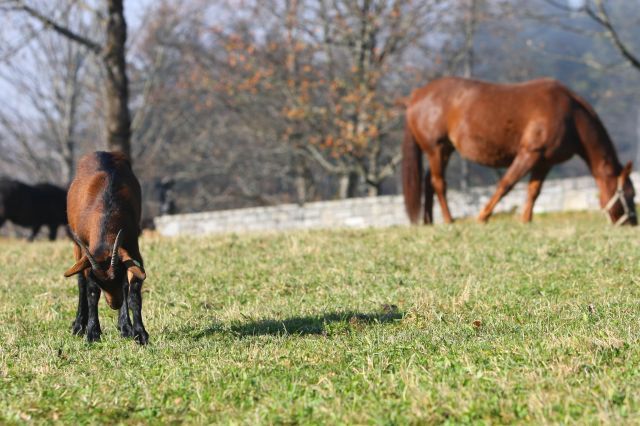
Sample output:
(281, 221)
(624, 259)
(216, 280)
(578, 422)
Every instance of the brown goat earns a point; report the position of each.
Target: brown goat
(103, 207)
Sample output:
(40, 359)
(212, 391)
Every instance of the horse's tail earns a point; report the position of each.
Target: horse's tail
(411, 175)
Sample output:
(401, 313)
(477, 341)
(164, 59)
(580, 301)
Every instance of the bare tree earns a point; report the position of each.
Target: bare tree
(345, 63)
(187, 138)
(470, 21)
(42, 131)
(111, 54)
(597, 11)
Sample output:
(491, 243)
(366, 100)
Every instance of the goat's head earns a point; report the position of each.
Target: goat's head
(107, 267)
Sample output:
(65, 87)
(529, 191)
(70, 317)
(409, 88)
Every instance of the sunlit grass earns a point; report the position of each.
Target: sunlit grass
(497, 323)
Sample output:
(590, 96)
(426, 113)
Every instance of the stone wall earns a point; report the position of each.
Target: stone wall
(557, 195)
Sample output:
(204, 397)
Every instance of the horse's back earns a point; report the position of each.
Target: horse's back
(452, 92)
(490, 123)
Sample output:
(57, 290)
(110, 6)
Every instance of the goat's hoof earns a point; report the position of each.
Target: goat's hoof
(77, 328)
(126, 331)
(141, 336)
(93, 335)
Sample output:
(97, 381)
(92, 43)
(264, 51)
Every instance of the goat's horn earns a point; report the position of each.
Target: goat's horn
(85, 250)
(116, 245)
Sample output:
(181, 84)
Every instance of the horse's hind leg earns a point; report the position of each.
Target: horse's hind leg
(428, 199)
(538, 174)
(438, 159)
(520, 166)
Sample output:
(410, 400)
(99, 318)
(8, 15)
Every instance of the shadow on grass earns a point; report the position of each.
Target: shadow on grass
(301, 326)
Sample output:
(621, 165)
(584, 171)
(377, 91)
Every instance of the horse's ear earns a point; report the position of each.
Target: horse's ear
(626, 171)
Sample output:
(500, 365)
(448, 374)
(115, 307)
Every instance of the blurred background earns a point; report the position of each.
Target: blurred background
(245, 103)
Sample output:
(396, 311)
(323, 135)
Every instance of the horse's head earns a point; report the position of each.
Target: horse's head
(617, 200)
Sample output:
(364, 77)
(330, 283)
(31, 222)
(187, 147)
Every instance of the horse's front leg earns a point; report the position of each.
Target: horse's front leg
(535, 185)
(520, 166)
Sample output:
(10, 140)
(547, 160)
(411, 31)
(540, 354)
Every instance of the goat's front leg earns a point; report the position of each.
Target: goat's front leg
(93, 323)
(79, 325)
(124, 323)
(135, 301)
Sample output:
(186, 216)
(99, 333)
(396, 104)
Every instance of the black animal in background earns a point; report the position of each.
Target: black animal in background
(32, 206)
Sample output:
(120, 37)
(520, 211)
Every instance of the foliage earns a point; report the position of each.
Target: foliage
(326, 74)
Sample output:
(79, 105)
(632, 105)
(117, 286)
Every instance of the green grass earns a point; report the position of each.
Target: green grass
(455, 324)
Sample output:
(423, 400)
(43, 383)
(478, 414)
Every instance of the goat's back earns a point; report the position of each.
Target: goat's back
(104, 188)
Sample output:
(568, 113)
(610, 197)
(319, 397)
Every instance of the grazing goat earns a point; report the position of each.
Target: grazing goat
(103, 207)
(33, 206)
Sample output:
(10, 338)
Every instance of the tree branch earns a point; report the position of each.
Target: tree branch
(602, 17)
(62, 30)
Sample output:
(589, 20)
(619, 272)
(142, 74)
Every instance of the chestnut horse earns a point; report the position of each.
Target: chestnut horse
(527, 127)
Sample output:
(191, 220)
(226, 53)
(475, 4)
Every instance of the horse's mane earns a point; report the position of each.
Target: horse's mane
(606, 142)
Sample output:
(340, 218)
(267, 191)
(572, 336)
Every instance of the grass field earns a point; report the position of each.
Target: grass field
(459, 324)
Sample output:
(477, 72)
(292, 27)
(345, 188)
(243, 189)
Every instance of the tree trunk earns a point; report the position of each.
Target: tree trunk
(303, 180)
(113, 56)
(470, 28)
(373, 190)
(301, 189)
(118, 117)
(70, 119)
(348, 186)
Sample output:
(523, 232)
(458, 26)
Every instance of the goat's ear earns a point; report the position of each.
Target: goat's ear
(78, 267)
(134, 268)
(135, 272)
